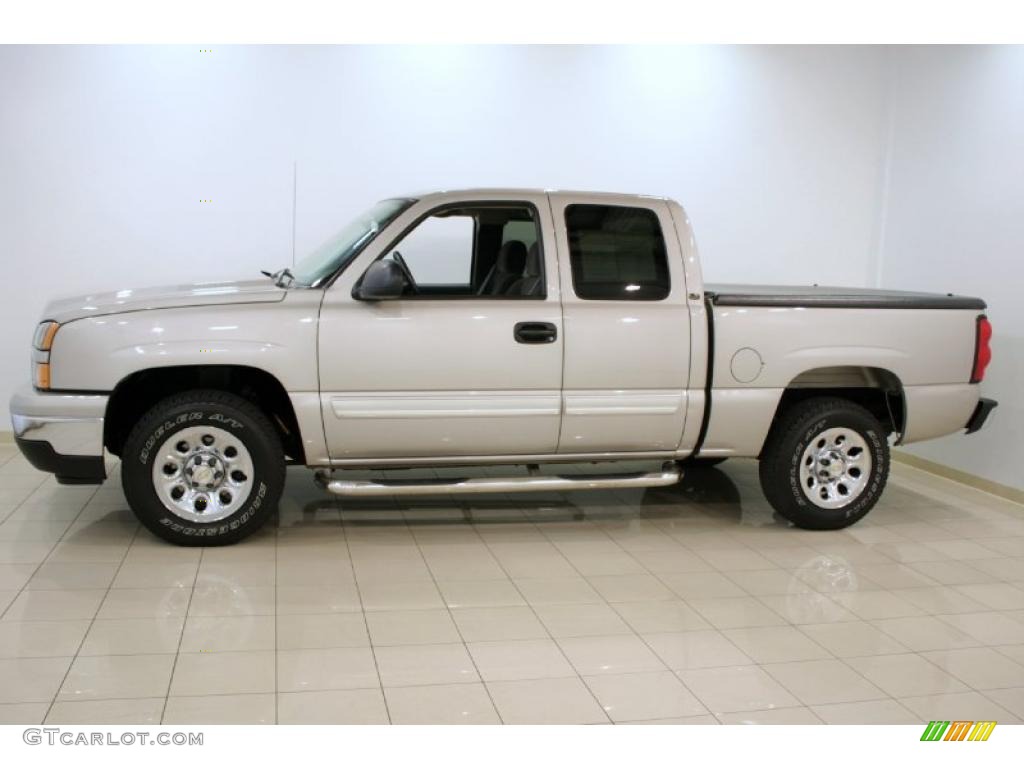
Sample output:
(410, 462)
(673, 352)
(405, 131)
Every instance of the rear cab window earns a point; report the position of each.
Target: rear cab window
(617, 253)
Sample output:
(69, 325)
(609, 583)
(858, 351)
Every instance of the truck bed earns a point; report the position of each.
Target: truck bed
(728, 295)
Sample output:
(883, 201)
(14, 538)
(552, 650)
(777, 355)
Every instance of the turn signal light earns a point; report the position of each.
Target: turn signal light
(42, 341)
(982, 350)
(42, 375)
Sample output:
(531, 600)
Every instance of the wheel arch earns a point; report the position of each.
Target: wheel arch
(879, 390)
(136, 393)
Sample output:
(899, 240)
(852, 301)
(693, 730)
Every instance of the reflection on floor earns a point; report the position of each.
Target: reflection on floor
(691, 604)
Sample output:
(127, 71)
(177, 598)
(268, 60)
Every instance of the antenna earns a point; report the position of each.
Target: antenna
(295, 177)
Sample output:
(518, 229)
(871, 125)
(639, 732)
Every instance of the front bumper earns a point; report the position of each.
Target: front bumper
(61, 433)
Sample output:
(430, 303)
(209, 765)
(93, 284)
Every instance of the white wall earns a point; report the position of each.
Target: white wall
(106, 152)
(955, 218)
(901, 166)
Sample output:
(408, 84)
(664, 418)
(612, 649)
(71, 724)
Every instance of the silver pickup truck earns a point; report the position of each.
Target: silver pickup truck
(493, 327)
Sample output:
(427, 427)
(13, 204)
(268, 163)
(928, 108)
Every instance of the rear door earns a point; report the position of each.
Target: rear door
(627, 324)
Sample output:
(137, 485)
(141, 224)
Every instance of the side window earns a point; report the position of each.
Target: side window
(616, 252)
(488, 250)
(440, 251)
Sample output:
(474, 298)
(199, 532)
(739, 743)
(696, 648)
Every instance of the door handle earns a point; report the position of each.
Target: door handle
(535, 333)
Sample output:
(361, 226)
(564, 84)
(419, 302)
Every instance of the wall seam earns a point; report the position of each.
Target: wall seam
(877, 260)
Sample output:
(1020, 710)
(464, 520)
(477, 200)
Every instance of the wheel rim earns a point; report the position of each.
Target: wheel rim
(203, 474)
(835, 467)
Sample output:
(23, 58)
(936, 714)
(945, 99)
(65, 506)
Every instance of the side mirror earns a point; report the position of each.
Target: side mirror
(383, 280)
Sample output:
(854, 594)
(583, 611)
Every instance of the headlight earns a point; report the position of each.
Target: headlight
(41, 343)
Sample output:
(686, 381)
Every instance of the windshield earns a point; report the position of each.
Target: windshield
(346, 244)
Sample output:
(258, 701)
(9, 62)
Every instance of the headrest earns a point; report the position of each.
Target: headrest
(512, 257)
(532, 268)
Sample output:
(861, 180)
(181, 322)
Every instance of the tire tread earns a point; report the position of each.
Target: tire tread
(773, 469)
(275, 476)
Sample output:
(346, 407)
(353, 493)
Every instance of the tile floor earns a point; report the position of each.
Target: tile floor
(682, 605)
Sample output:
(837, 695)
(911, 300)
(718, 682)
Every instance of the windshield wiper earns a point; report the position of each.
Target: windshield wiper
(279, 275)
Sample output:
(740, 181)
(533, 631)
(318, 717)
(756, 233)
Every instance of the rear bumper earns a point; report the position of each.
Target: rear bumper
(61, 433)
(981, 412)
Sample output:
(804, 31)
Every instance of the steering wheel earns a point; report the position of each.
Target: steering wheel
(400, 261)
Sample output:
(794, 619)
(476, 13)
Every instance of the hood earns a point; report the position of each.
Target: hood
(163, 297)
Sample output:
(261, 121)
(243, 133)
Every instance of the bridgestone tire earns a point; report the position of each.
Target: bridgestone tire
(195, 408)
(786, 449)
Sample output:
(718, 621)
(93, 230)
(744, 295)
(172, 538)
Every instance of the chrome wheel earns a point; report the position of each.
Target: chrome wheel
(835, 468)
(203, 474)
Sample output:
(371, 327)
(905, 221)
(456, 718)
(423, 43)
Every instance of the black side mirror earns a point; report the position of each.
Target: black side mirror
(383, 280)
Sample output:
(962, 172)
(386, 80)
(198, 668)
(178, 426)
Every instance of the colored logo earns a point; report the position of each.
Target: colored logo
(958, 730)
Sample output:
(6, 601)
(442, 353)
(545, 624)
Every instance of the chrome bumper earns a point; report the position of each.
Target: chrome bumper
(61, 433)
(72, 424)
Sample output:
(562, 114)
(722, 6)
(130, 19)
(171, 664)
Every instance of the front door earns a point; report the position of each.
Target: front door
(627, 324)
(468, 360)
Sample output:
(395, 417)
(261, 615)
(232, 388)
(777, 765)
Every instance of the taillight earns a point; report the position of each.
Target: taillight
(982, 350)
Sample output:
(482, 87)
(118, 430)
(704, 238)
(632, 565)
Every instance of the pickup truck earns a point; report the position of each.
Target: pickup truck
(493, 327)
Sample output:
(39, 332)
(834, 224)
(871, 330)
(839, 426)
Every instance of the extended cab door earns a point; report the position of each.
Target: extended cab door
(627, 324)
(468, 361)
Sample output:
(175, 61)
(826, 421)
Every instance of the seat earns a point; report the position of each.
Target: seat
(530, 283)
(508, 268)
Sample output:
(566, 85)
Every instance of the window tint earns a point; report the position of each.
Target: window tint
(524, 231)
(616, 253)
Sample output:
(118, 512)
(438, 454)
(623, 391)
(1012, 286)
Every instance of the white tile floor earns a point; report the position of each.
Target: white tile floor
(682, 605)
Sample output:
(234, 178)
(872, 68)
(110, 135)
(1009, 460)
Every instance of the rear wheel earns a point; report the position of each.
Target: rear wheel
(203, 468)
(825, 463)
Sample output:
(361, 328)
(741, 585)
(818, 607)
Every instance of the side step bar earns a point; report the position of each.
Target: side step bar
(669, 475)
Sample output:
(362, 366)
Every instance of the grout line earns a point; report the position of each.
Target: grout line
(718, 630)
(41, 563)
(181, 637)
(537, 616)
(451, 616)
(976, 483)
(366, 624)
(99, 605)
(596, 524)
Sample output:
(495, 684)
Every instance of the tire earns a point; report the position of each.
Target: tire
(223, 487)
(703, 461)
(804, 443)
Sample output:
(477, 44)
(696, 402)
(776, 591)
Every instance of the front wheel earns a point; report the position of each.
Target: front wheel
(825, 463)
(203, 468)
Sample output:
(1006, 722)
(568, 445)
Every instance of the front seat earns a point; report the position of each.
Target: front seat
(508, 268)
(529, 284)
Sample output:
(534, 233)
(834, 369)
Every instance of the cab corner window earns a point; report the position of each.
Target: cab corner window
(477, 250)
(616, 253)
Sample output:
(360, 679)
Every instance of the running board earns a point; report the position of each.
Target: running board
(669, 475)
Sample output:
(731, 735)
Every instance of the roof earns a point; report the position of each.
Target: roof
(484, 192)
